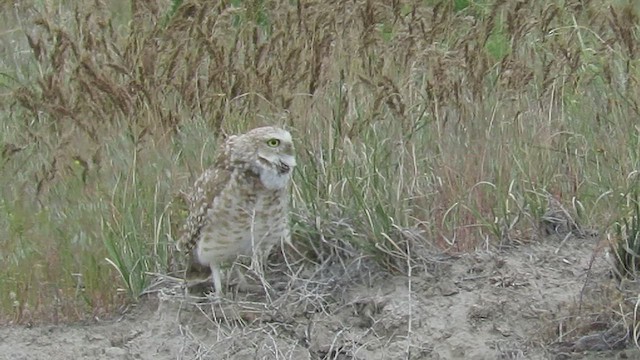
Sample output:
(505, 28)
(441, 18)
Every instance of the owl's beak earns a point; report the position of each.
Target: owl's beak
(283, 168)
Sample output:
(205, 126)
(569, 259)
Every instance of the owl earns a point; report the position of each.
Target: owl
(240, 206)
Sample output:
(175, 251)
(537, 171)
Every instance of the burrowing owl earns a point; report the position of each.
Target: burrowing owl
(240, 205)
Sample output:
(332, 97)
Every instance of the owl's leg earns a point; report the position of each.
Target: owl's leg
(216, 278)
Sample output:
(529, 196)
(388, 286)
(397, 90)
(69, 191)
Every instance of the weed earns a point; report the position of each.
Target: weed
(626, 247)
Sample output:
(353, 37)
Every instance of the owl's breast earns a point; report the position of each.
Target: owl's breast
(240, 222)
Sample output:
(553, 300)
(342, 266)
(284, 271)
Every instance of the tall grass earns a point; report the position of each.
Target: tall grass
(419, 125)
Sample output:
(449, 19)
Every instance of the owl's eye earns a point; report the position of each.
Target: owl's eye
(273, 142)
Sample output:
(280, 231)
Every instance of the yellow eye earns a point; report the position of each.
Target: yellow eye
(273, 142)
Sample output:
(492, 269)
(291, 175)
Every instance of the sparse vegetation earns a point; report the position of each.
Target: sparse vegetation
(420, 125)
(626, 244)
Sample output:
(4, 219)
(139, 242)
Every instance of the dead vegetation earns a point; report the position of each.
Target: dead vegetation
(421, 127)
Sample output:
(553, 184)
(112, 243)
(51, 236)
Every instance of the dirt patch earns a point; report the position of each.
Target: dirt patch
(534, 301)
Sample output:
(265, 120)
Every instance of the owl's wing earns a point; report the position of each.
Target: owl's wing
(208, 186)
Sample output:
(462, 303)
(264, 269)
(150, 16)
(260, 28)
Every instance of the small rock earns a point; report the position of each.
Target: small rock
(115, 352)
(448, 289)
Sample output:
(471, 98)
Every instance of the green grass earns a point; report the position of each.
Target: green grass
(441, 125)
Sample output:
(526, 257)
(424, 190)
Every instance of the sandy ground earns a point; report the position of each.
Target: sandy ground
(533, 301)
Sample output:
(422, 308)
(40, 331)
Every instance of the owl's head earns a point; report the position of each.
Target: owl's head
(269, 153)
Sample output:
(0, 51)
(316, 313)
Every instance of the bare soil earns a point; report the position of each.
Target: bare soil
(543, 300)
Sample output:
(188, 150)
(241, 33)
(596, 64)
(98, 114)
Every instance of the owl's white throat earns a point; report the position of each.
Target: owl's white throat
(274, 172)
(272, 179)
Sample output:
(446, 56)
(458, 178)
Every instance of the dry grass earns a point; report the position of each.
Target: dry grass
(421, 126)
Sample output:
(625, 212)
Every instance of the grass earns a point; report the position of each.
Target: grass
(439, 125)
(626, 244)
